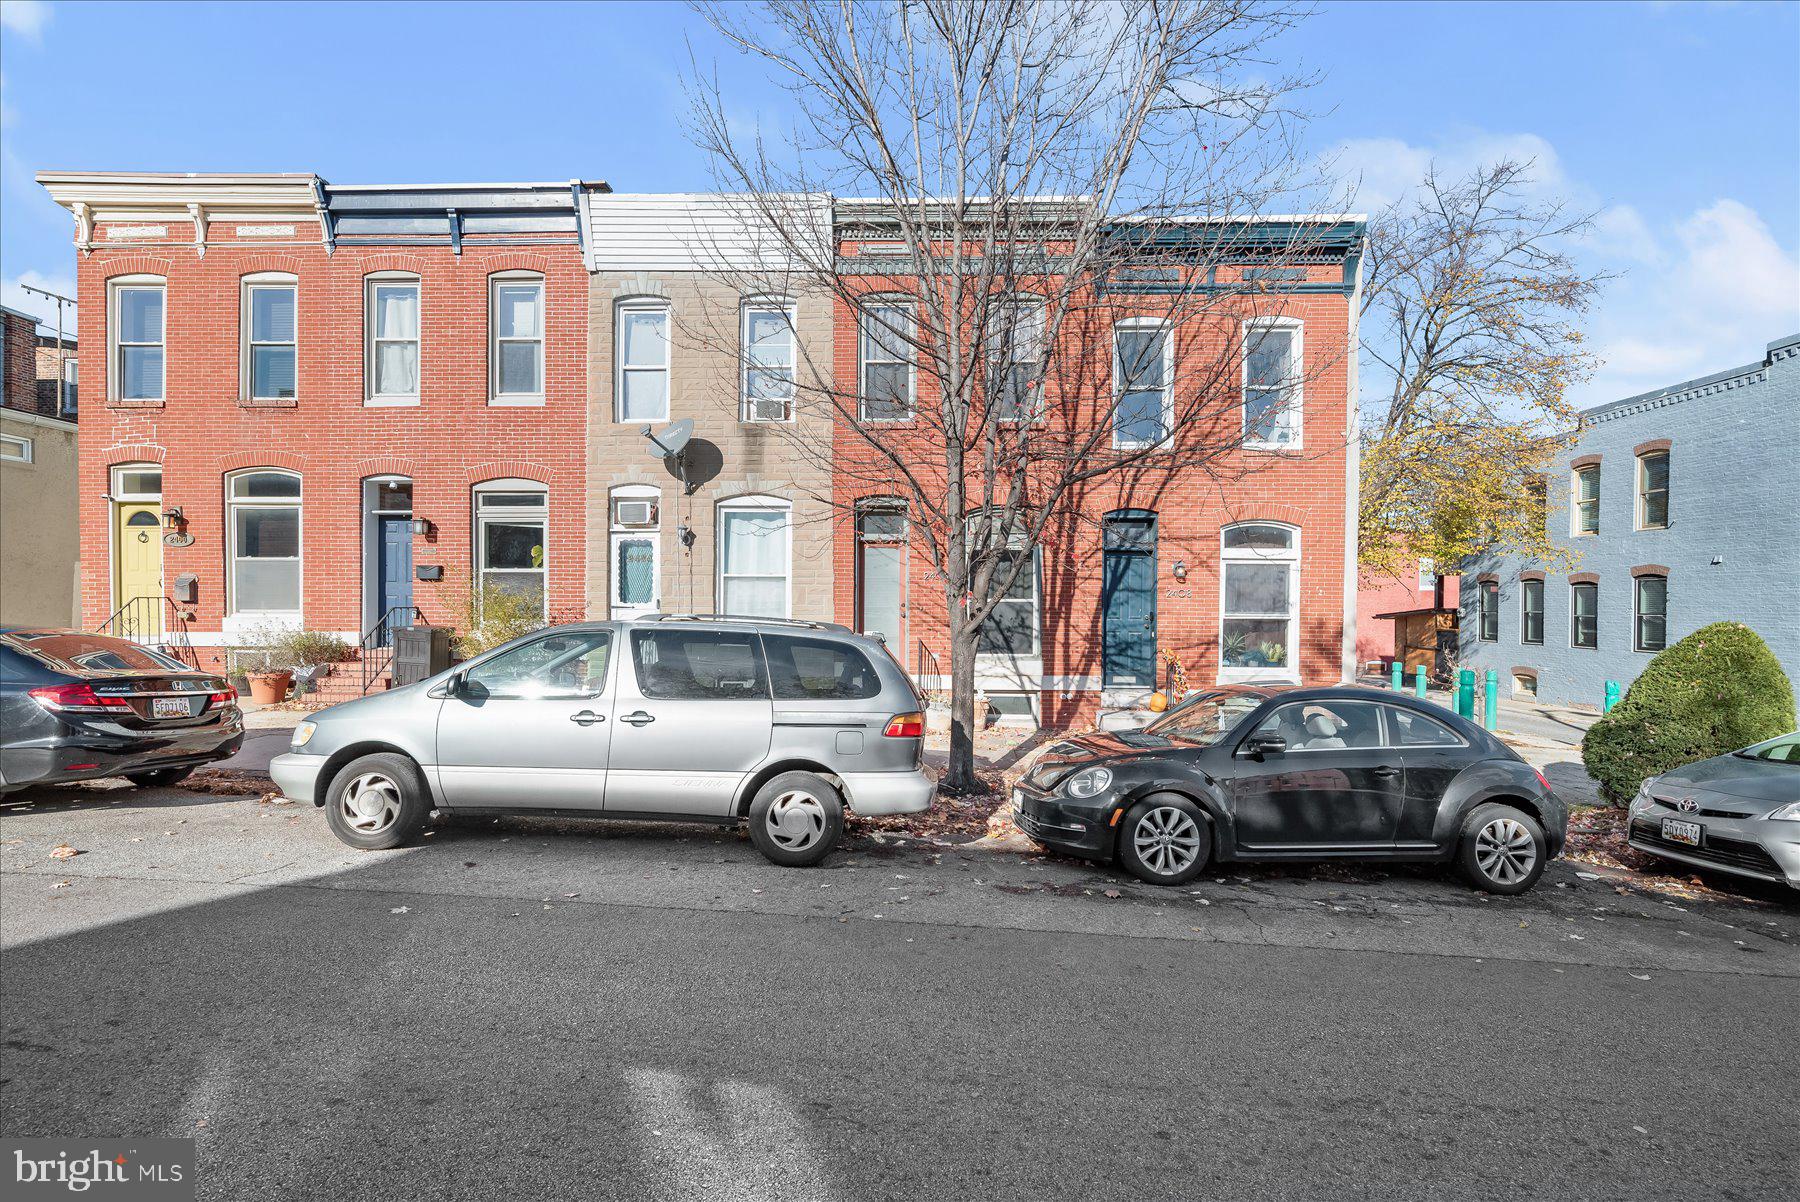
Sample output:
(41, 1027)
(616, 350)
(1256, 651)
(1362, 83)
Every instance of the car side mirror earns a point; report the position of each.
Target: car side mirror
(452, 686)
(1261, 745)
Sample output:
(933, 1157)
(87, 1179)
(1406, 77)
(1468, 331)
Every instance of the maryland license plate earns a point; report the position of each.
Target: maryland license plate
(169, 707)
(1018, 799)
(1677, 831)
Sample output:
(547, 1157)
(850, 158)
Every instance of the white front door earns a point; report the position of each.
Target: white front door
(636, 572)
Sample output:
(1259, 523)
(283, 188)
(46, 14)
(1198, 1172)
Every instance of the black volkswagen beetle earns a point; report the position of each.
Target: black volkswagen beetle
(75, 706)
(1277, 773)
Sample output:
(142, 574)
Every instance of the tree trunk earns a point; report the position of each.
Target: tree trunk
(959, 776)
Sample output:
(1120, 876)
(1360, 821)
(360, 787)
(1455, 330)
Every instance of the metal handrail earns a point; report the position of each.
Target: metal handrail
(922, 654)
(376, 650)
(153, 618)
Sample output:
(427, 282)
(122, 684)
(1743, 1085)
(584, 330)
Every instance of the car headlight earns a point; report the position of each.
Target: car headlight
(303, 732)
(1643, 797)
(1787, 813)
(1090, 782)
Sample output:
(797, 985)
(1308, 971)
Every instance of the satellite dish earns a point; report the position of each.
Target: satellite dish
(667, 442)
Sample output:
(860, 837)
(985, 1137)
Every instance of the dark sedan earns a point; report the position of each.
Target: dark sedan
(1276, 773)
(76, 706)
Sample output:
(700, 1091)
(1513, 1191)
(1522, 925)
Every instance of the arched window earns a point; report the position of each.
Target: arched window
(391, 323)
(263, 517)
(511, 540)
(1259, 610)
(755, 557)
(137, 304)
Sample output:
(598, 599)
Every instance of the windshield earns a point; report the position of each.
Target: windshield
(1782, 750)
(1206, 719)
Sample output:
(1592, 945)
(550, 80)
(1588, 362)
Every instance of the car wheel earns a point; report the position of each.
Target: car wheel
(1165, 840)
(158, 778)
(377, 802)
(1502, 849)
(796, 819)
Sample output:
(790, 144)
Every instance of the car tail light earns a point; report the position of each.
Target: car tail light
(78, 699)
(222, 699)
(906, 726)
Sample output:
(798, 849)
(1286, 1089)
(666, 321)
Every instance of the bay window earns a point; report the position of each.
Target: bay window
(263, 525)
(1260, 603)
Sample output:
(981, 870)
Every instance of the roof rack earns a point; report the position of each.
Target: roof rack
(805, 623)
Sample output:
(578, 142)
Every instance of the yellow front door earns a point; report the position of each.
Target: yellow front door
(138, 571)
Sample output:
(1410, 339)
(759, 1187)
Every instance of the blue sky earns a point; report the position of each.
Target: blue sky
(1675, 121)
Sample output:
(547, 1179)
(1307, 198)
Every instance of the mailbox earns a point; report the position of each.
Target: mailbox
(186, 589)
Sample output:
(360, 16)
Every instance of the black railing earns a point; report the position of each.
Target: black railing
(377, 646)
(156, 621)
(921, 656)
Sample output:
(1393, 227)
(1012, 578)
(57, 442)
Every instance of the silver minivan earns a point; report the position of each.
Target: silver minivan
(781, 724)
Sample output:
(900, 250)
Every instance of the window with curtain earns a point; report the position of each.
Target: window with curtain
(512, 521)
(1531, 611)
(516, 325)
(1587, 500)
(264, 548)
(768, 383)
(643, 359)
(886, 358)
(1141, 368)
(1652, 612)
(1653, 491)
(1018, 351)
(270, 340)
(1272, 385)
(753, 559)
(1260, 570)
(138, 341)
(393, 332)
(1489, 615)
(1584, 615)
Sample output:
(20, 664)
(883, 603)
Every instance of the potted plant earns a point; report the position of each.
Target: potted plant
(275, 652)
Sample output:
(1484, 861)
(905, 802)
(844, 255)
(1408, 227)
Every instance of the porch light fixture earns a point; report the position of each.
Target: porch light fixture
(421, 527)
(172, 517)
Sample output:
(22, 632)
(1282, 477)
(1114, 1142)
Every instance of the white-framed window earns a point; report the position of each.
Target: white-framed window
(1143, 372)
(16, 448)
(71, 374)
(635, 561)
(1273, 355)
(1427, 575)
(755, 557)
(263, 542)
(642, 359)
(1653, 491)
(1015, 625)
(766, 386)
(1259, 603)
(136, 482)
(886, 380)
(392, 335)
(1584, 500)
(516, 338)
(137, 330)
(1650, 605)
(512, 524)
(1018, 353)
(267, 351)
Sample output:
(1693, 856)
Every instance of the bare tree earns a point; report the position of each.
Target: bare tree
(1472, 313)
(1028, 174)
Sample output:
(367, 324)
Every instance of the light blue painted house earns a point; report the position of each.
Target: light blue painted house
(1681, 507)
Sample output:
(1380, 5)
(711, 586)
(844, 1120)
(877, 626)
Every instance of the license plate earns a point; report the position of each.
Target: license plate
(1677, 831)
(169, 707)
(1018, 799)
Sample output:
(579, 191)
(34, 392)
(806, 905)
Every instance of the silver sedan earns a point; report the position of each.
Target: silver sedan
(1737, 813)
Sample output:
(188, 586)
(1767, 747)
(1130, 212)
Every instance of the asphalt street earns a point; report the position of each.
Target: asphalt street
(535, 1010)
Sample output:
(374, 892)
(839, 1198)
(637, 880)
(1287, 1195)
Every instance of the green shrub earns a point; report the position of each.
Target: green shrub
(274, 647)
(1718, 689)
(493, 617)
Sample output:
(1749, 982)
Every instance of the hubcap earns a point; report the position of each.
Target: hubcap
(1504, 851)
(371, 804)
(1167, 840)
(796, 821)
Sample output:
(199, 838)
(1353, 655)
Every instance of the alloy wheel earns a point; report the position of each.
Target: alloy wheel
(1504, 851)
(371, 803)
(1167, 840)
(796, 820)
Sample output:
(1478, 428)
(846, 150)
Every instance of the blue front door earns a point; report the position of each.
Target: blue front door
(394, 573)
(1128, 602)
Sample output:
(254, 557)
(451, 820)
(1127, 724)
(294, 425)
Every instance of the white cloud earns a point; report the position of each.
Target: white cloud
(26, 18)
(14, 296)
(1694, 294)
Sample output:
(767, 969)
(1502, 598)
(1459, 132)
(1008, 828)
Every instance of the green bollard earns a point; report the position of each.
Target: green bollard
(1490, 709)
(1465, 694)
(1419, 681)
(1399, 675)
(1612, 696)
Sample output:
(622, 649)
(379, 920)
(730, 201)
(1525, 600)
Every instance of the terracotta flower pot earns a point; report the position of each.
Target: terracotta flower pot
(269, 688)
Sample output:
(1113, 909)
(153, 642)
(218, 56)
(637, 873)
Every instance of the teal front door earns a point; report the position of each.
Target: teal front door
(1128, 601)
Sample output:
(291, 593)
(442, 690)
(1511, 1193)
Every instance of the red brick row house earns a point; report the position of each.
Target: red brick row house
(335, 407)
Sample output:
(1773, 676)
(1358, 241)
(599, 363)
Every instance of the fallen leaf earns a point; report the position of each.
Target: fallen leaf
(1112, 893)
(400, 910)
(60, 885)
(1640, 976)
(62, 851)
